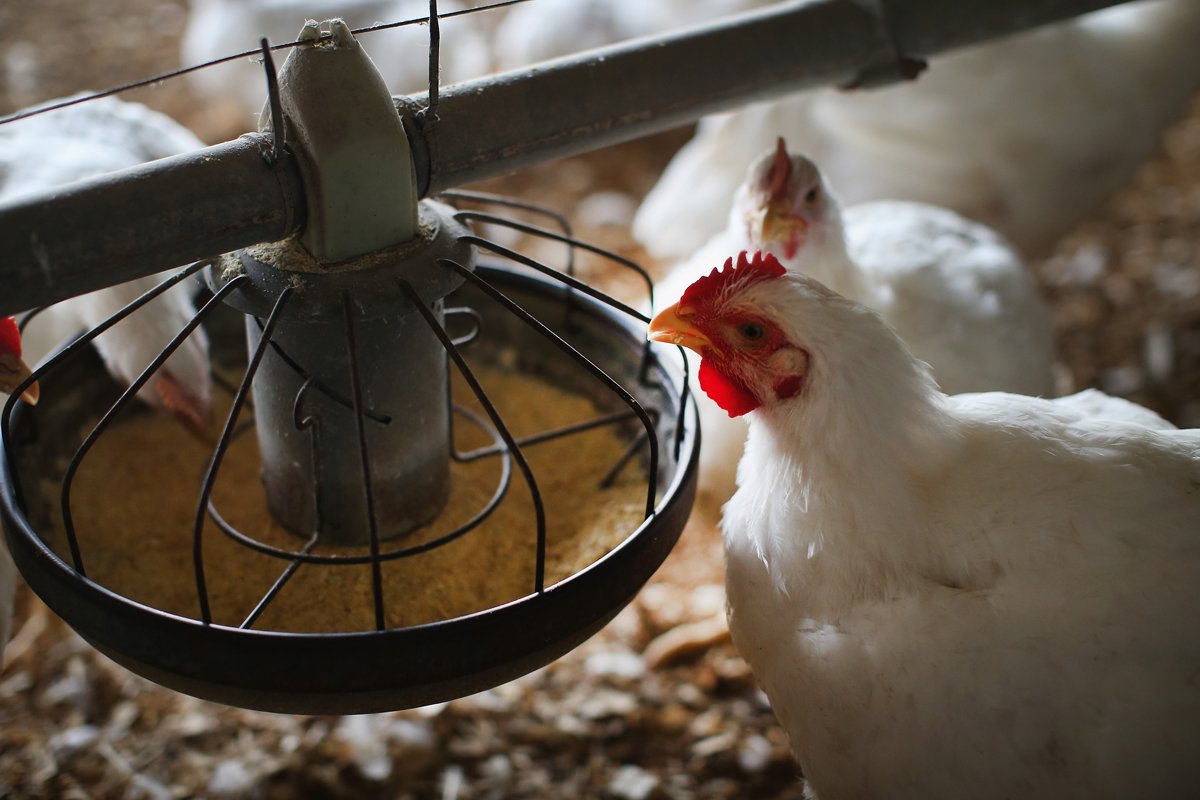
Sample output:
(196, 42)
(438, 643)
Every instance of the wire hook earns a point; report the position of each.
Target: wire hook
(279, 132)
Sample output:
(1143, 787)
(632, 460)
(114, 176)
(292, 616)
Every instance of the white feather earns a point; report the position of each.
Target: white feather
(79, 142)
(985, 596)
(1025, 133)
(955, 292)
(218, 28)
(545, 29)
(68, 145)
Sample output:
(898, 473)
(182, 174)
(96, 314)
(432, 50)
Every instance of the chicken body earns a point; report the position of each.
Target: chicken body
(13, 372)
(13, 369)
(72, 144)
(547, 29)
(1025, 133)
(955, 292)
(985, 596)
(217, 28)
(79, 142)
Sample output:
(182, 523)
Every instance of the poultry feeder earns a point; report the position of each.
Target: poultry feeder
(332, 561)
(353, 328)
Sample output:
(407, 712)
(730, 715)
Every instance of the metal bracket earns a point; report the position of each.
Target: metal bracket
(354, 156)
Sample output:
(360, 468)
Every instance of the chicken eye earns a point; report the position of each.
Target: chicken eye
(812, 195)
(752, 331)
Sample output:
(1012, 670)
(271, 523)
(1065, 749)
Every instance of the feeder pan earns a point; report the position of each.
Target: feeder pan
(347, 338)
(377, 670)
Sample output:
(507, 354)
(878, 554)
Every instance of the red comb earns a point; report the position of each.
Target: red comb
(10, 337)
(729, 278)
(781, 170)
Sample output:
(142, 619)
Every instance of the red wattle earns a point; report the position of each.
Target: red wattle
(10, 337)
(733, 398)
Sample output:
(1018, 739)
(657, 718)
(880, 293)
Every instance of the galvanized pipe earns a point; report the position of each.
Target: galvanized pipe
(138, 221)
(604, 97)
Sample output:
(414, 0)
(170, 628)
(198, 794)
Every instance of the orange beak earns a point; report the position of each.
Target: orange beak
(774, 221)
(191, 411)
(777, 225)
(14, 372)
(672, 327)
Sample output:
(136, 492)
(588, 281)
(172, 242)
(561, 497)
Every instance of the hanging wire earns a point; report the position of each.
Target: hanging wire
(126, 396)
(569, 280)
(307, 422)
(275, 103)
(523, 205)
(476, 323)
(71, 351)
(632, 450)
(505, 445)
(405, 552)
(218, 455)
(545, 269)
(429, 113)
(325, 389)
(548, 435)
(32, 112)
(510, 444)
(534, 230)
(280, 582)
(365, 462)
(615, 387)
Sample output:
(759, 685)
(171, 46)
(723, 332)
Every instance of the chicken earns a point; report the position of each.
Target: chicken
(954, 291)
(546, 29)
(78, 142)
(8, 592)
(217, 28)
(1026, 133)
(1094, 403)
(13, 370)
(985, 595)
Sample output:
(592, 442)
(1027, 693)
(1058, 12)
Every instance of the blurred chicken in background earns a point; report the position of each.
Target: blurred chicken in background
(78, 142)
(954, 291)
(1026, 134)
(217, 28)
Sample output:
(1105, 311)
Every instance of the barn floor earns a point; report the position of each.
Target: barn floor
(1125, 288)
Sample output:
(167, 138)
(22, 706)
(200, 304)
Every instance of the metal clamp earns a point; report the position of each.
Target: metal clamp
(355, 160)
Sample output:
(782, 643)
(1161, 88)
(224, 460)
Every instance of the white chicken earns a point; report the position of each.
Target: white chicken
(217, 28)
(953, 290)
(8, 589)
(41, 152)
(1025, 133)
(13, 369)
(983, 596)
(545, 29)
(13, 372)
(78, 142)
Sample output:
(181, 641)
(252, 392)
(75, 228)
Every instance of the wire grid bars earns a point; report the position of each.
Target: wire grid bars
(639, 398)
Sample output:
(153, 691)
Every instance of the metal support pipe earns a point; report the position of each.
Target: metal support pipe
(138, 221)
(644, 86)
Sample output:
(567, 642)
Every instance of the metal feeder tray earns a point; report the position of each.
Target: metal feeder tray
(375, 670)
